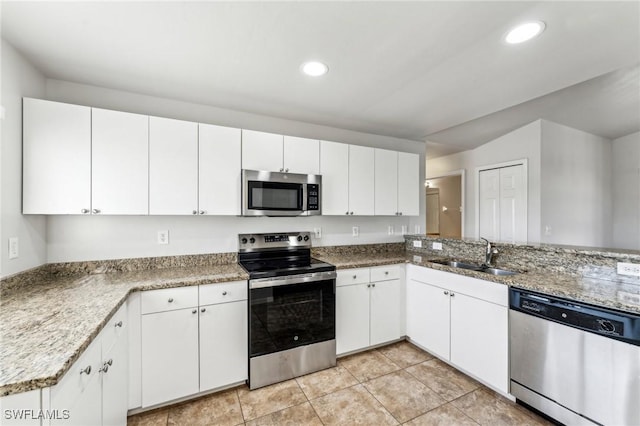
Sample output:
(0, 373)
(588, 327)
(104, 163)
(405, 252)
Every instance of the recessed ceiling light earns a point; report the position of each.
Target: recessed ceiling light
(524, 32)
(314, 68)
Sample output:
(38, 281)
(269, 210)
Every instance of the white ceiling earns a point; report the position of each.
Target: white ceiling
(414, 70)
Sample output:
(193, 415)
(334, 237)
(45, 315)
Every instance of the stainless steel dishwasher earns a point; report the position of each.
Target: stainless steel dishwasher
(574, 362)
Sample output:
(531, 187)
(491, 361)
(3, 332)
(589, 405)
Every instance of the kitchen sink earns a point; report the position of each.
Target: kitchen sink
(497, 271)
(475, 267)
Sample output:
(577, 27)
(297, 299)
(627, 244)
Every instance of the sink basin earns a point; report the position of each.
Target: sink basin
(475, 267)
(496, 271)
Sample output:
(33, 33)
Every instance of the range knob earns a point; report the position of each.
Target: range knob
(606, 326)
(299, 238)
(252, 240)
(244, 241)
(306, 238)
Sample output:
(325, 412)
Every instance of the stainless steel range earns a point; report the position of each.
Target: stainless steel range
(292, 307)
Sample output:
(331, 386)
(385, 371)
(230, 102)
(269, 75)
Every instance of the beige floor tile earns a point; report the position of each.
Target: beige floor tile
(404, 354)
(445, 380)
(299, 415)
(151, 418)
(368, 365)
(326, 381)
(218, 409)
(488, 408)
(403, 396)
(352, 406)
(267, 400)
(445, 415)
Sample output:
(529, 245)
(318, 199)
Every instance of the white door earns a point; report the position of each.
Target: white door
(56, 152)
(219, 183)
(385, 311)
(302, 155)
(428, 317)
(503, 204)
(433, 211)
(361, 180)
(479, 339)
(223, 344)
(261, 151)
(119, 162)
(173, 167)
(169, 355)
(334, 168)
(409, 184)
(352, 318)
(115, 384)
(386, 182)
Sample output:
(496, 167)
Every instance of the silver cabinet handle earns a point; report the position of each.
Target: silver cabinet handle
(355, 276)
(446, 293)
(373, 285)
(110, 362)
(118, 324)
(194, 212)
(386, 272)
(203, 310)
(351, 213)
(85, 211)
(224, 293)
(195, 311)
(281, 170)
(86, 370)
(202, 212)
(286, 170)
(96, 211)
(400, 213)
(346, 213)
(452, 294)
(171, 300)
(368, 285)
(104, 368)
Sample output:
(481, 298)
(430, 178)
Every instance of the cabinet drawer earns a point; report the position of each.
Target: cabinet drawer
(352, 276)
(384, 273)
(169, 299)
(233, 291)
(115, 329)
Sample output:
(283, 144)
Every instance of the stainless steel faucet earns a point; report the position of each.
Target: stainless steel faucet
(490, 251)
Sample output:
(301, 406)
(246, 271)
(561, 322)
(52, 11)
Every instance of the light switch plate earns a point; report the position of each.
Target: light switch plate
(417, 243)
(631, 269)
(355, 231)
(390, 230)
(163, 237)
(436, 246)
(14, 248)
(317, 232)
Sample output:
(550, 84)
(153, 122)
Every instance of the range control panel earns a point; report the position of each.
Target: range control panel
(280, 240)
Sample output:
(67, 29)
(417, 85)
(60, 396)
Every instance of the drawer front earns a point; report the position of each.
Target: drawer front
(352, 276)
(169, 299)
(384, 273)
(115, 329)
(233, 291)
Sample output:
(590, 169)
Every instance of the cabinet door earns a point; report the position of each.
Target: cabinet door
(169, 355)
(386, 182)
(261, 151)
(352, 318)
(219, 170)
(302, 155)
(119, 162)
(428, 317)
(334, 168)
(479, 339)
(223, 344)
(361, 180)
(115, 383)
(86, 409)
(408, 184)
(56, 158)
(173, 167)
(24, 402)
(385, 311)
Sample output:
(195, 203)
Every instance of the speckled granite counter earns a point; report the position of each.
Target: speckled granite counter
(361, 260)
(48, 319)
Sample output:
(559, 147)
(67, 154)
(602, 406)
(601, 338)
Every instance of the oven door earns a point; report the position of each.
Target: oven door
(291, 311)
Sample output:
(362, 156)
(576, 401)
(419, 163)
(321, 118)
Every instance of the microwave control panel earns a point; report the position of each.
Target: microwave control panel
(313, 197)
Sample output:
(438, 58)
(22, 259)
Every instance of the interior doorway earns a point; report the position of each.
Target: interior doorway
(445, 205)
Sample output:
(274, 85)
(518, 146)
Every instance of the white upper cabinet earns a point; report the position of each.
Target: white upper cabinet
(408, 184)
(361, 180)
(334, 168)
(119, 162)
(261, 151)
(173, 167)
(301, 155)
(56, 158)
(386, 182)
(219, 170)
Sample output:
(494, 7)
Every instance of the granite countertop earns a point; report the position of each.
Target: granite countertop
(46, 325)
(363, 260)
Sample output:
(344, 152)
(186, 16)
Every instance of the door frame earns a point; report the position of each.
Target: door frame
(463, 197)
(522, 162)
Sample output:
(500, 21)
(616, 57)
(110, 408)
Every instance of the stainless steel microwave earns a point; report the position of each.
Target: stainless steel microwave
(280, 194)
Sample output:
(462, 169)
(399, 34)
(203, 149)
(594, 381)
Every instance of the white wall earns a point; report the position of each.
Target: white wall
(75, 238)
(19, 78)
(626, 192)
(576, 204)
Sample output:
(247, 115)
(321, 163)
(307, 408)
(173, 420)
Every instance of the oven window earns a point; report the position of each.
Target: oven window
(289, 316)
(274, 196)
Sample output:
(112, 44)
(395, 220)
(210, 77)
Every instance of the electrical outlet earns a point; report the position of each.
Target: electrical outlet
(404, 229)
(14, 249)
(317, 232)
(632, 269)
(390, 230)
(416, 229)
(436, 246)
(355, 231)
(163, 237)
(417, 243)
(417, 258)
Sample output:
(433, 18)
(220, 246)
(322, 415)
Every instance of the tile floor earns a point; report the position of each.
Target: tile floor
(395, 384)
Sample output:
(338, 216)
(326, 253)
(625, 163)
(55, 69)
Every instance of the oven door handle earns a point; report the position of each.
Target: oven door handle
(292, 279)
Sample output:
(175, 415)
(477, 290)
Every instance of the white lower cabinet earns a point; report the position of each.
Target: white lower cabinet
(21, 409)
(368, 307)
(463, 320)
